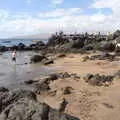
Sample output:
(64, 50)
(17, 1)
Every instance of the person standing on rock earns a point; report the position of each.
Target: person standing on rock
(14, 56)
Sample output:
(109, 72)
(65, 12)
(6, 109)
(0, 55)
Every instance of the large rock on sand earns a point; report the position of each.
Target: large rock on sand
(98, 80)
(22, 105)
(31, 110)
(108, 46)
(116, 34)
(37, 58)
(8, 98)
(47, 61)
(42, 59)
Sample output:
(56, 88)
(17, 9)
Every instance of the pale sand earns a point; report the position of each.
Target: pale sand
(73, 64)
(85, 101)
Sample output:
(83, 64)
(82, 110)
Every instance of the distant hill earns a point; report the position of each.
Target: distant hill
(36, 36)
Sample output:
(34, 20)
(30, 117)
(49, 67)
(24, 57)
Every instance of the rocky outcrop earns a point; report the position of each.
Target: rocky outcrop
(37, 58)
(47, 61)
(3, 48)
(31, 110)
(63, 105)
(3, 89)
(67, 75)
(117, 74)
(8, 98)
(40, 45)
(43, 84)
(98, 80)
(116, 34)
(22, 105)
(79, 43)
(108, 47)
(62, 55)
(21, 46)
(29, 82)
(103, 56)
(41, 58)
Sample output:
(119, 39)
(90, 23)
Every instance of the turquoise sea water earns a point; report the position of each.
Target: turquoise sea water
(12, 74)
(11, 42)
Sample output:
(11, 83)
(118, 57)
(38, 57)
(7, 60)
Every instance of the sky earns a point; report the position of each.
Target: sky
(28, 17)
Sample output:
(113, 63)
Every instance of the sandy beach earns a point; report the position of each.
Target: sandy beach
(73, 63)
(85, 101)
(64, 79)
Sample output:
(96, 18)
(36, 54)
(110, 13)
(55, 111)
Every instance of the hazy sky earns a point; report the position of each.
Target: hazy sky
(22, 17)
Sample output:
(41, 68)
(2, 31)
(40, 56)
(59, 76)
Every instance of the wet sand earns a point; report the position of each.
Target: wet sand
(12, 74)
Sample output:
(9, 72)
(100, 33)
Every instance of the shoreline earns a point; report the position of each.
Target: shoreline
(81, 79)
(85, 101)
(65, 89)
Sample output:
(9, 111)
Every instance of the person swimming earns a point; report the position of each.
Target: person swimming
(14, 55)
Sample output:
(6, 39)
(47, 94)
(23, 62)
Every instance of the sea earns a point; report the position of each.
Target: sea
(13, 74)
(27, 42)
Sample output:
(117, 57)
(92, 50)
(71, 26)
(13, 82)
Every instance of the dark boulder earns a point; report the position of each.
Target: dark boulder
(27, 48)
(40, 43)
(32, 45)
(47, 61)
(67, 90)
(79, 43)
(8, 98)
(98, 80)
(42, 86)
(3, 89)
(103, 56)
(116, 34)
(108, 47)
(63, 105)
(52, 77)
(37, 58)
(117, 74)
(21, 46)
(75, 76)
(14, 47)
(3, 49)
(65, 75)
(85, 58)
(29, 82)
(62, 55)
(32, 110)
(57, 40)
(88, 47)
(88, 77)
(117, 40)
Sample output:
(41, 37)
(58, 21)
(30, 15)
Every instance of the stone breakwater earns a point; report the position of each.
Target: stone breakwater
(76, 43)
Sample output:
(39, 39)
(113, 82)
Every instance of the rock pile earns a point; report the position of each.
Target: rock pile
(40, 58)
(23, 105)
(103, 56)
(98, 80)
